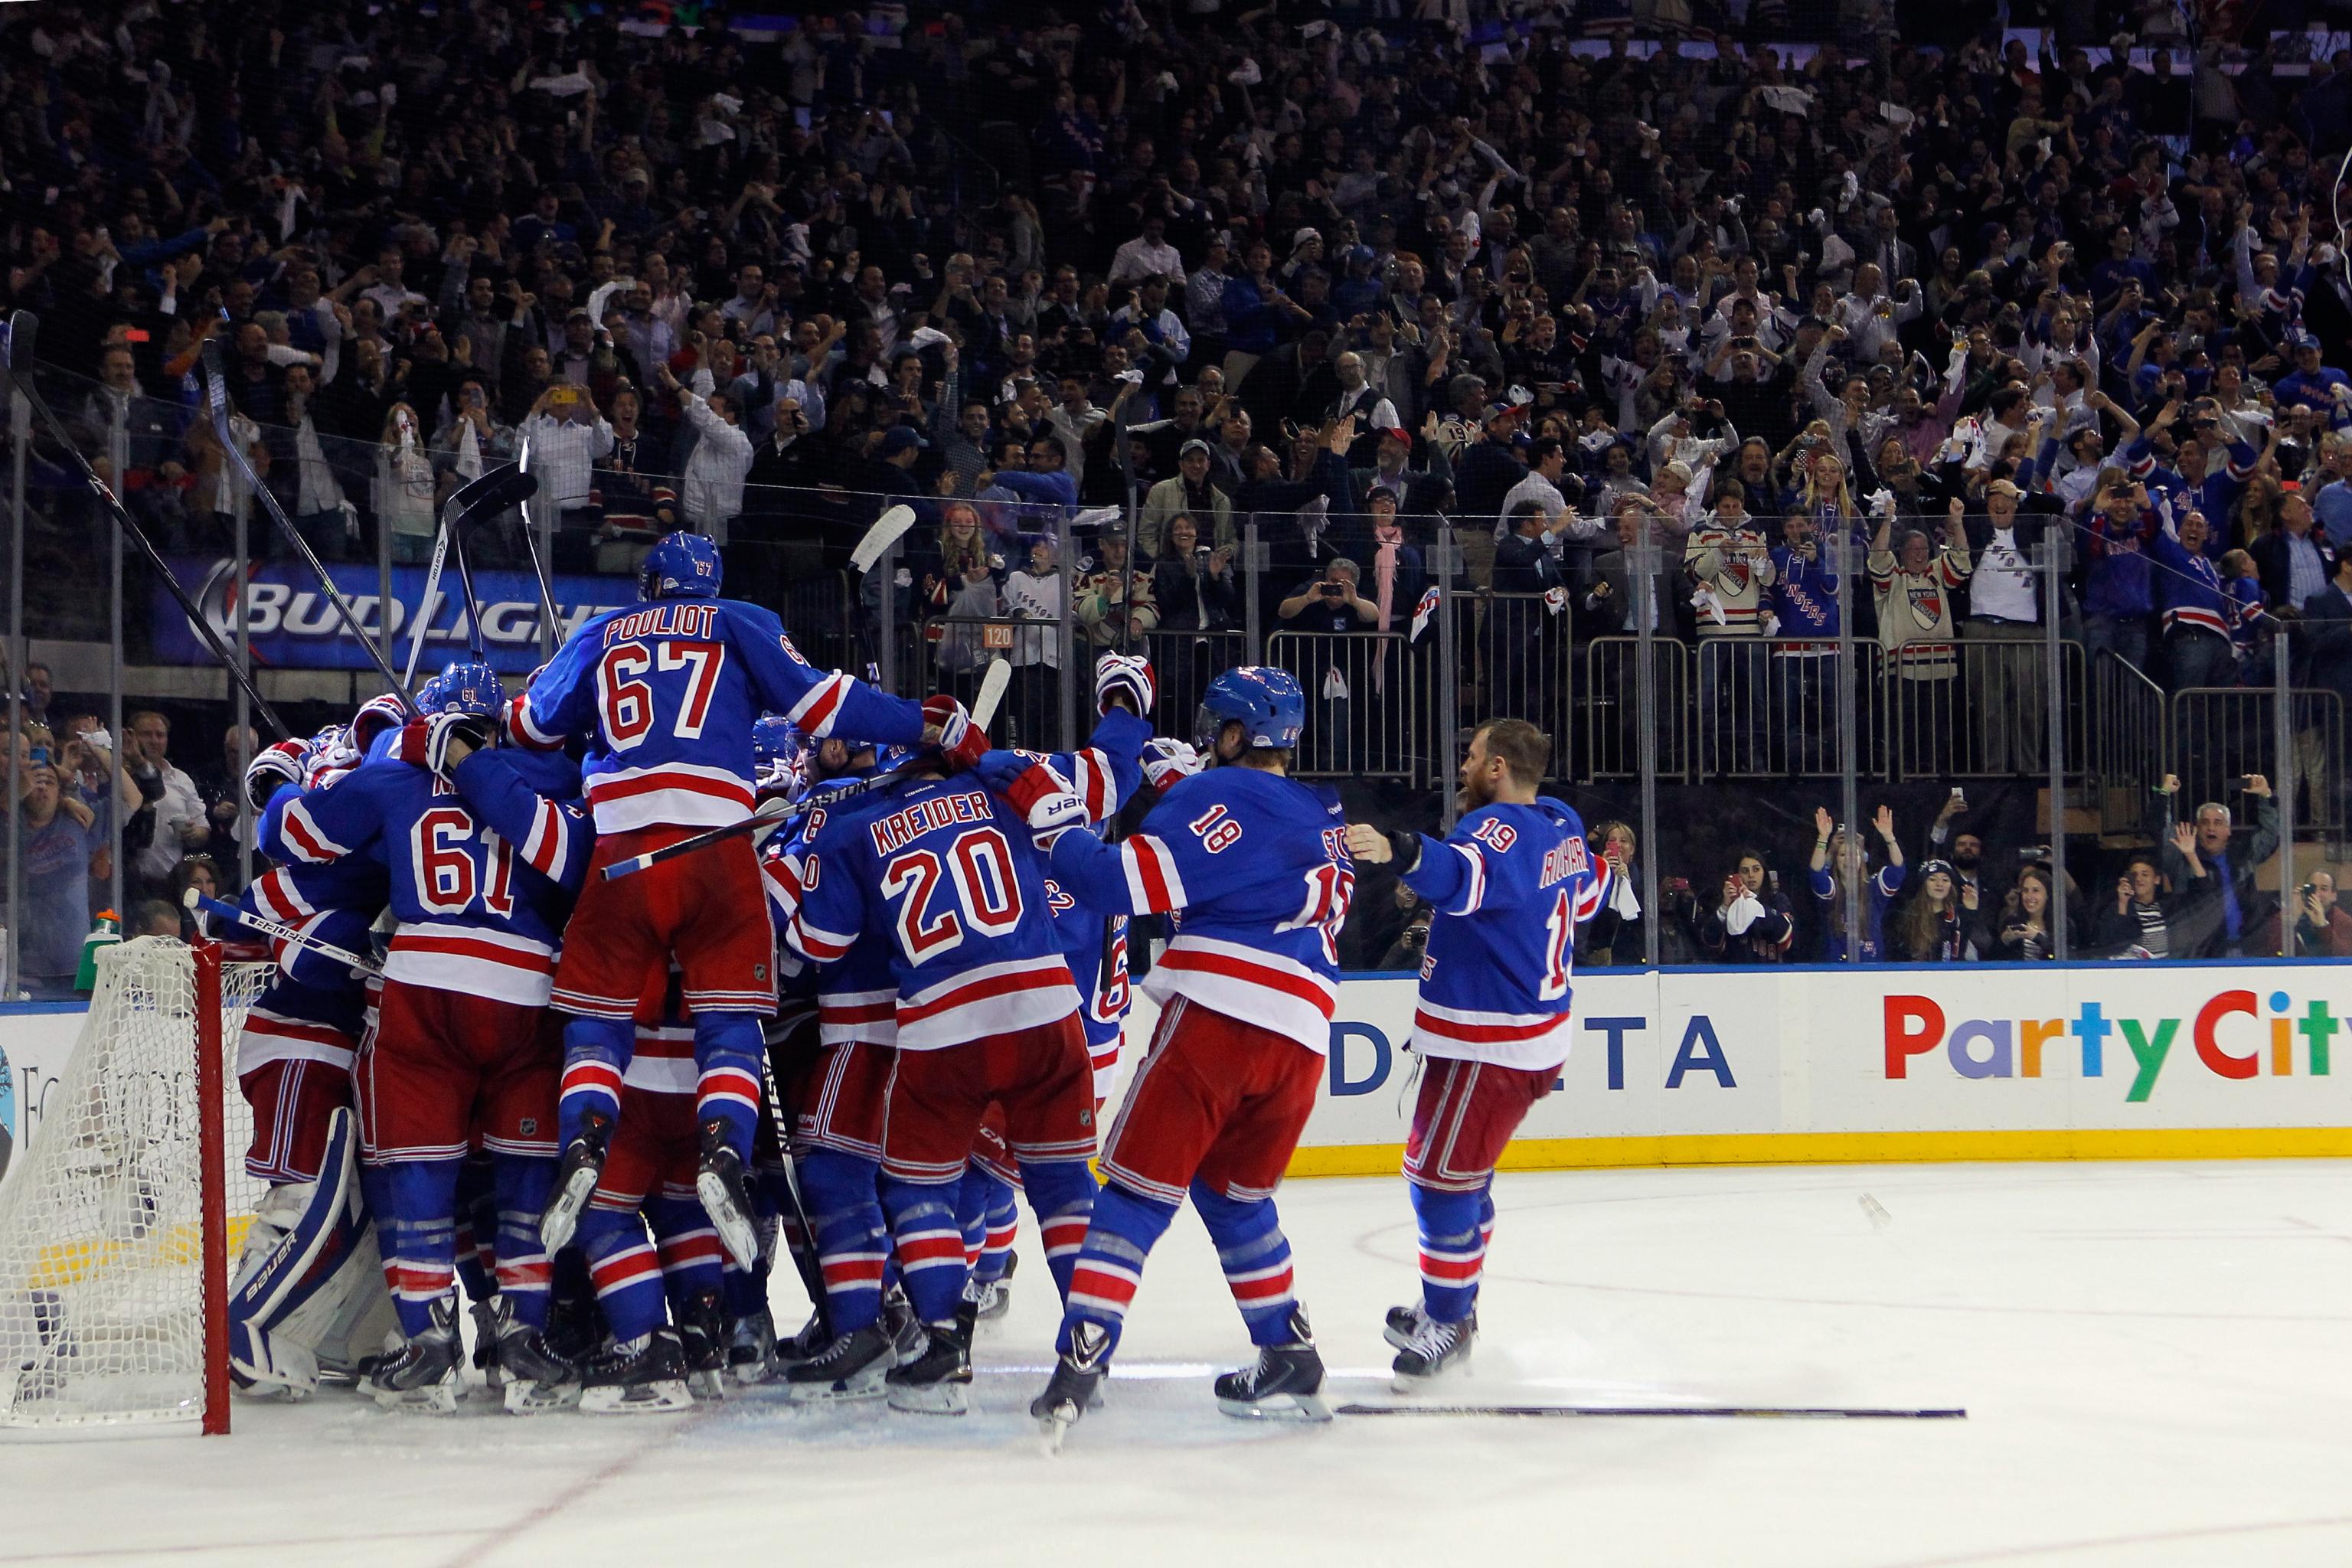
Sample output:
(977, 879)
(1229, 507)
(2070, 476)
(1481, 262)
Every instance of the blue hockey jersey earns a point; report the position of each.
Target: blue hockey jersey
(665, 696)
(1258, 866)
(945, 869)
(856, 998)
(482, 871)
(1510, 885)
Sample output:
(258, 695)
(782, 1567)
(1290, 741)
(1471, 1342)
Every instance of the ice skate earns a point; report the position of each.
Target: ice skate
(726, 1195)
(486, 1342)
(1435, 1351)
(702, 1332)
(424, 1375)
(807, 1345)
(938, 1381)
(1075, 1387)
(576, 1181)
(643, 1377)
(534, 1379)
(851, 1367)
(1287, 1383)
(751, 1346)
(908, 1340)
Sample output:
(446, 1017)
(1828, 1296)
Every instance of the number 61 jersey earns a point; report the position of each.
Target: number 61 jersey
(1510, 885)
(945, 870)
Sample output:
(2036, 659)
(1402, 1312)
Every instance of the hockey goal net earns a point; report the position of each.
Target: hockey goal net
(116, 1233)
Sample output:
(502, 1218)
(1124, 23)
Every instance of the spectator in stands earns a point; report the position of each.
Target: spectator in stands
(2024, 933)
(2232, 862)
(222, 788)
(1109, 586)
(59, 839)
(1839, 861)
(2007, 677)
(1914, 589)
(181, 822)
(1191, 491)
(404, 487)
(1614, 935)
(1033, 592)
(1941, 924)
(2298, 561)
(1730, 566)
(2322, 927)
(2145, 913)
(1752, 921)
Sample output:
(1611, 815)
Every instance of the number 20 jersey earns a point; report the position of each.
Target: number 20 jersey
(1510, 885)
(945, 870)
(1258, 866)
(666, 694)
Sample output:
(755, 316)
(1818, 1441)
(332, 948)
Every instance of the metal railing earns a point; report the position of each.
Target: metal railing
(1612, 717)
(1521, 643)
(2126, 716)
(1951, 709)
(2222, 734)
(1365, 716)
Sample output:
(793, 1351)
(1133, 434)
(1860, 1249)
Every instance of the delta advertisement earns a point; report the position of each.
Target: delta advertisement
(295, 626)
(1762, 1065)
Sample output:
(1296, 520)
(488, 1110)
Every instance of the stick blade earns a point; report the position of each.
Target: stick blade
(24, 330)
(887, 530)
(504, 486)
(992, 685)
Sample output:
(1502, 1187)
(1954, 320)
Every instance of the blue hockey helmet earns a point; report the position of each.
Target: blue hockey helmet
(466, 686)
(680, 565)
(1266, 703)
(780, 757)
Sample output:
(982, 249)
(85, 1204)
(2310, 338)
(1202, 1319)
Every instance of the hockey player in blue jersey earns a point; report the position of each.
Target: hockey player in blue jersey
(1510, 885)
(307, 1285)
(986, 1012)
(1255, 865)
(663, 695)
(481, 866)
(1104, 777)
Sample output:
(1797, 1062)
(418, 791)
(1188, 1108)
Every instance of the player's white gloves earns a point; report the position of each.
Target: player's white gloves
(1128, 673)
(1167, 759)
(471, 730)
(961, 743)
(1046, 802)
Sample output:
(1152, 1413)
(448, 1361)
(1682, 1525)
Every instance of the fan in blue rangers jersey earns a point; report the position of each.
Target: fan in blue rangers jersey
(1104, 777)
(481, 866)
(986, 1011)
(1257, 865)
(308, 1282)
(831, 1074)
(1510, 885)
(664, 696)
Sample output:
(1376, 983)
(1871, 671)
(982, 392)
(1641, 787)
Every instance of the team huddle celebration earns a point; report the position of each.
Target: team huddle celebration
(591, 1103)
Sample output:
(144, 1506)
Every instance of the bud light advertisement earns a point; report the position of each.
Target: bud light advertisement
(295, 626)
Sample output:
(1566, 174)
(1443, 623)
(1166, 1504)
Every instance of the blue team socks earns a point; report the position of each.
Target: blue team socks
(1255, 1257)
(929, 1244)
(596, 1051)
(1062, 1195)
(1454, 1231)
(692, 1260)
(852, 1246)
(729, 1054)
(416, 1230)
(523, 1183)
(1109, 1265)
(985, 1208)
(626, 1270)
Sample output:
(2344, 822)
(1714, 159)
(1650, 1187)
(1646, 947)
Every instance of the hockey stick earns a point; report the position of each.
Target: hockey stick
(1719, 1412)
(554, 622)
(198, 904)
(765, 821)
(216, 378)
(23, 325)
(887, 530)
(501, 488)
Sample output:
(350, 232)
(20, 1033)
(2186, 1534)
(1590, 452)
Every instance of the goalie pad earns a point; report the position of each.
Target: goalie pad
(309, 1253)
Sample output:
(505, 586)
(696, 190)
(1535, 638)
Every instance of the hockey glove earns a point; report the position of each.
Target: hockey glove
(459, 733)
(1165, 761)
(1032, 786)
(1051, 816)
(1404, 851)
(1128, 675)
(961, 743)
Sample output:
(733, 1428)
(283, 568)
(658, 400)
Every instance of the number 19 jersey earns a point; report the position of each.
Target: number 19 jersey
(1510, 885)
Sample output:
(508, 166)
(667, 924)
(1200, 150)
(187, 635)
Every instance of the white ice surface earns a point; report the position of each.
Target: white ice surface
(2154, 1359)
